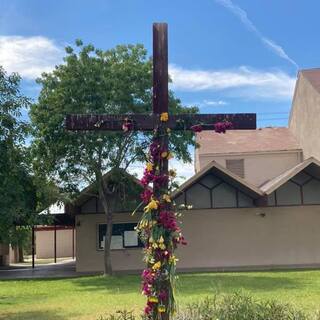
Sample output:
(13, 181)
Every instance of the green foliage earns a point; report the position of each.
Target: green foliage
(120, 315)
(240, 307)
(116, 81)
(230, 307)
(17, 190)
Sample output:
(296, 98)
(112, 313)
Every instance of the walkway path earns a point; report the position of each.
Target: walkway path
(64, 269)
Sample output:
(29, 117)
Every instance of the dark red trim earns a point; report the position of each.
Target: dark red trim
(51, 228)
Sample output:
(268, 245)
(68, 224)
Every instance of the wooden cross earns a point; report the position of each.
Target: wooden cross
(150, 122)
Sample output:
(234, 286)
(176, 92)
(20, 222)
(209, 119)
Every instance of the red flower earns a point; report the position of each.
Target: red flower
(221, 127)
(127, 125)
(148, 310)
(146, 196)
(168, 220)
(196, 128)
(163, 295)
(160, 181)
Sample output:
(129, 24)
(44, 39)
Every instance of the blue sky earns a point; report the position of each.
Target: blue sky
(225, 56)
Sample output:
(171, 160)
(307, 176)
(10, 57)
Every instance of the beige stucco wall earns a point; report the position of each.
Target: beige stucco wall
(45, 244)
(305, 117)
(258, 167)
(89, 258)
(287, 236)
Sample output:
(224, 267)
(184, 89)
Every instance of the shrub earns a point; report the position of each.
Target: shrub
(119, 315)
(235, 306)
(239, 307)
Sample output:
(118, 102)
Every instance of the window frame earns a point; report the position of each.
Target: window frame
(98, 248)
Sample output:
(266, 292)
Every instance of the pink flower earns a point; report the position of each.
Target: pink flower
(155, 151)
(147, 177)
(196, 128)
(221, 127)
(146, 196)
(148, 276)
(160, 181)
(168, 220)
(127, 125)
(148, 310)
(163, 295)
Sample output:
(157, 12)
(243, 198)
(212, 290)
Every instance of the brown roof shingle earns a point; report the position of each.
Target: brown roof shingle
(242, 141)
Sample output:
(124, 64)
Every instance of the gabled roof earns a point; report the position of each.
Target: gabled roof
(246, 141)
(56, 208)
(278, 181)
(91, 190)
(225, 175)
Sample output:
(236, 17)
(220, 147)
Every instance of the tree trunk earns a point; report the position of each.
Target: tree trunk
(20, 254)
(107, 243)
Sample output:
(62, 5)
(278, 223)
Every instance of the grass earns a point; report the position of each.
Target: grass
(90, 297)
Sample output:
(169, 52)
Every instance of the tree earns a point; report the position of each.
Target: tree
(17, 191)
(116, 81)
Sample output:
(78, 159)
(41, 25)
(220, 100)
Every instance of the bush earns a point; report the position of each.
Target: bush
(239, 307)
(120, 315)
(231, 307)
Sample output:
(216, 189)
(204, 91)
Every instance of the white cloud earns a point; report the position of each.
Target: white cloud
(215, 103)
(242, 81)
(29, 56)
(184, 170)
(242, 15)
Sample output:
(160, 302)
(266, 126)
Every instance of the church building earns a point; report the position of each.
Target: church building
(255, 200)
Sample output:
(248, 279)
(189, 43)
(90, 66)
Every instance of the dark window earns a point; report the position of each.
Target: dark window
(236, 166)
(123, 236)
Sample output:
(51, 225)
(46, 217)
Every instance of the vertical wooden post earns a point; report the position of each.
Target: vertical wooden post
(55, 242)
(160, 83)
(160, 68)
(32, 246)
(161, 105)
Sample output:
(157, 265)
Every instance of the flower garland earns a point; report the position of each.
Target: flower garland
(158, 227)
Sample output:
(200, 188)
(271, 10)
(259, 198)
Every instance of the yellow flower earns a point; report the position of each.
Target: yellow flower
(149, 166)
(156, 266)
(173, 260)
(172, 173)
(161, 308)
(152, 205)
(164, 117)
(169, 156)
(153, 299)
(161, 244)
(154, 246)
(166, 198)
(164, 154)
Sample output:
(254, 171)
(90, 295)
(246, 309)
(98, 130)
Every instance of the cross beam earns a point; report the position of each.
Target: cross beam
(143, 122)
(152, 122)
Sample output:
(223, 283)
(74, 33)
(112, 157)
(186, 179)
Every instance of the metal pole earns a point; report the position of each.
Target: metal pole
(55, 243)
(33, 247)
(73, 242)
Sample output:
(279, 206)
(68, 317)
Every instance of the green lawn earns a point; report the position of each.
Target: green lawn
(89, 297)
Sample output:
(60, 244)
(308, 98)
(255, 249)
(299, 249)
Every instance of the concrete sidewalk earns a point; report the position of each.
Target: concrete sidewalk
(64, 269)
